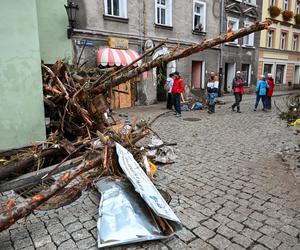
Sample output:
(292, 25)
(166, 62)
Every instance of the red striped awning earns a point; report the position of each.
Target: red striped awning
(118, 57)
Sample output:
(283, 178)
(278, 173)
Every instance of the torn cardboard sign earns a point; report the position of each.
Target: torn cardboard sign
(143, 185)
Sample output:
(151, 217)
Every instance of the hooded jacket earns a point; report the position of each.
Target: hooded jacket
(261, 87)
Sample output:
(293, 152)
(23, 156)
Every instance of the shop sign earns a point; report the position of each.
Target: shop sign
(117, 43)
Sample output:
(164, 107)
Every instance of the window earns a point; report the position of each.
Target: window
(272, 2)
(270, 38)
(246, 68)
(297, 8)
(248, 40)
(199, 16)
(234, 24)
(163, 12)
(280, 70)
(268, 68)
(283, 38)
(295, 42)
(285, 4)
(116, 8)
(253, 2)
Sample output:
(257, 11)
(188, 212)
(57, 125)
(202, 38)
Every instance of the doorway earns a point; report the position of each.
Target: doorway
(161, 78)
(229, 75)
(297, 74)
(196, 74)
(280, 70)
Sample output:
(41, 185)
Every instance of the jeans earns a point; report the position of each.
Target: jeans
(211, 99)
(263, 100)
(169, 101)
(177, 103)
(268, 102)
(238, 99)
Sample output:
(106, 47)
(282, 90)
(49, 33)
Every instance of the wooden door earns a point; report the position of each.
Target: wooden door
(122, 96)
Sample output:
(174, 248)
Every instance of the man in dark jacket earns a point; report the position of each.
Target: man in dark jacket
(238, 90)
(177, 89)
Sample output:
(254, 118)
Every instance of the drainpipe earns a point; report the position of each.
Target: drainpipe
(221, 73)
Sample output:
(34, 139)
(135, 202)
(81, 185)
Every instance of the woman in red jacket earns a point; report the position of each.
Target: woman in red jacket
(270, 91)
(177, 89)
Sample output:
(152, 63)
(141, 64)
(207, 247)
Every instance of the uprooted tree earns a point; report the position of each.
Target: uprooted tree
(81, 125)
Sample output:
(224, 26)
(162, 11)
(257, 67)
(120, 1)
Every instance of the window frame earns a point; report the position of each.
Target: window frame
(297, 8)
(229, 18)
(281, 40)
(285, 3)
(203, 22)
(250, 2)
(250, 37)
(297, 42)
(122, 9)
(168, 13)
(273, 2)
(272, 38)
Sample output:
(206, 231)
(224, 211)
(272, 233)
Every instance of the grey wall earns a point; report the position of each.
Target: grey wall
(140, 26)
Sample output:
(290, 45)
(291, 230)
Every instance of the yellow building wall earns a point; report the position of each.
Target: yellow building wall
(278, 27)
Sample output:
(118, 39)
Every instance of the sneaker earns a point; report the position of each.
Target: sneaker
(238, 111)
(178, 115)
(254, 109)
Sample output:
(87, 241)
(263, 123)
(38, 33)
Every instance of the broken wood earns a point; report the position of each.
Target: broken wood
(23, 165)
(9, 217)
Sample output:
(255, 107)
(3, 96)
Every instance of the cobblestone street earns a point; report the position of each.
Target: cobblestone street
(229, 187)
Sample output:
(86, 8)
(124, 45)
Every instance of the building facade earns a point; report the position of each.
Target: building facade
(279, 47)
(143, 23)
(241, 54)
(34, 30)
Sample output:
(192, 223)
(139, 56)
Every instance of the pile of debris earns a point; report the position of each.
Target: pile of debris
(83, 132)
(292, 115)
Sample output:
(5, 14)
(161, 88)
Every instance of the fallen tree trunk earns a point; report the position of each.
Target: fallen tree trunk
(206, 44)
(12, 214)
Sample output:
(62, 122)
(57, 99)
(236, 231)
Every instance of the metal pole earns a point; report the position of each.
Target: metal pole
(221, 71)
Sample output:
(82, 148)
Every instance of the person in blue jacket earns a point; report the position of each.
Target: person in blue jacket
(261, 92)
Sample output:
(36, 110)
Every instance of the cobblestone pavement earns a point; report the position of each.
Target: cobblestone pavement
(229, 187)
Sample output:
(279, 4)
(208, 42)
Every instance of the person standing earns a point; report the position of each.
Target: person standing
(169, 85)
(177, 89)
(238, 90)
(261, 92)
(270, 91)
(212, 92)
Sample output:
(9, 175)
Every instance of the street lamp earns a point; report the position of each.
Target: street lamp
(71, 10)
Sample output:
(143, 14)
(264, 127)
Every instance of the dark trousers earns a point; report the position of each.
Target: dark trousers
(169, 101)
(177, 103)
(263, 100)
(268, 102)
(238, 99)
(212, 108)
